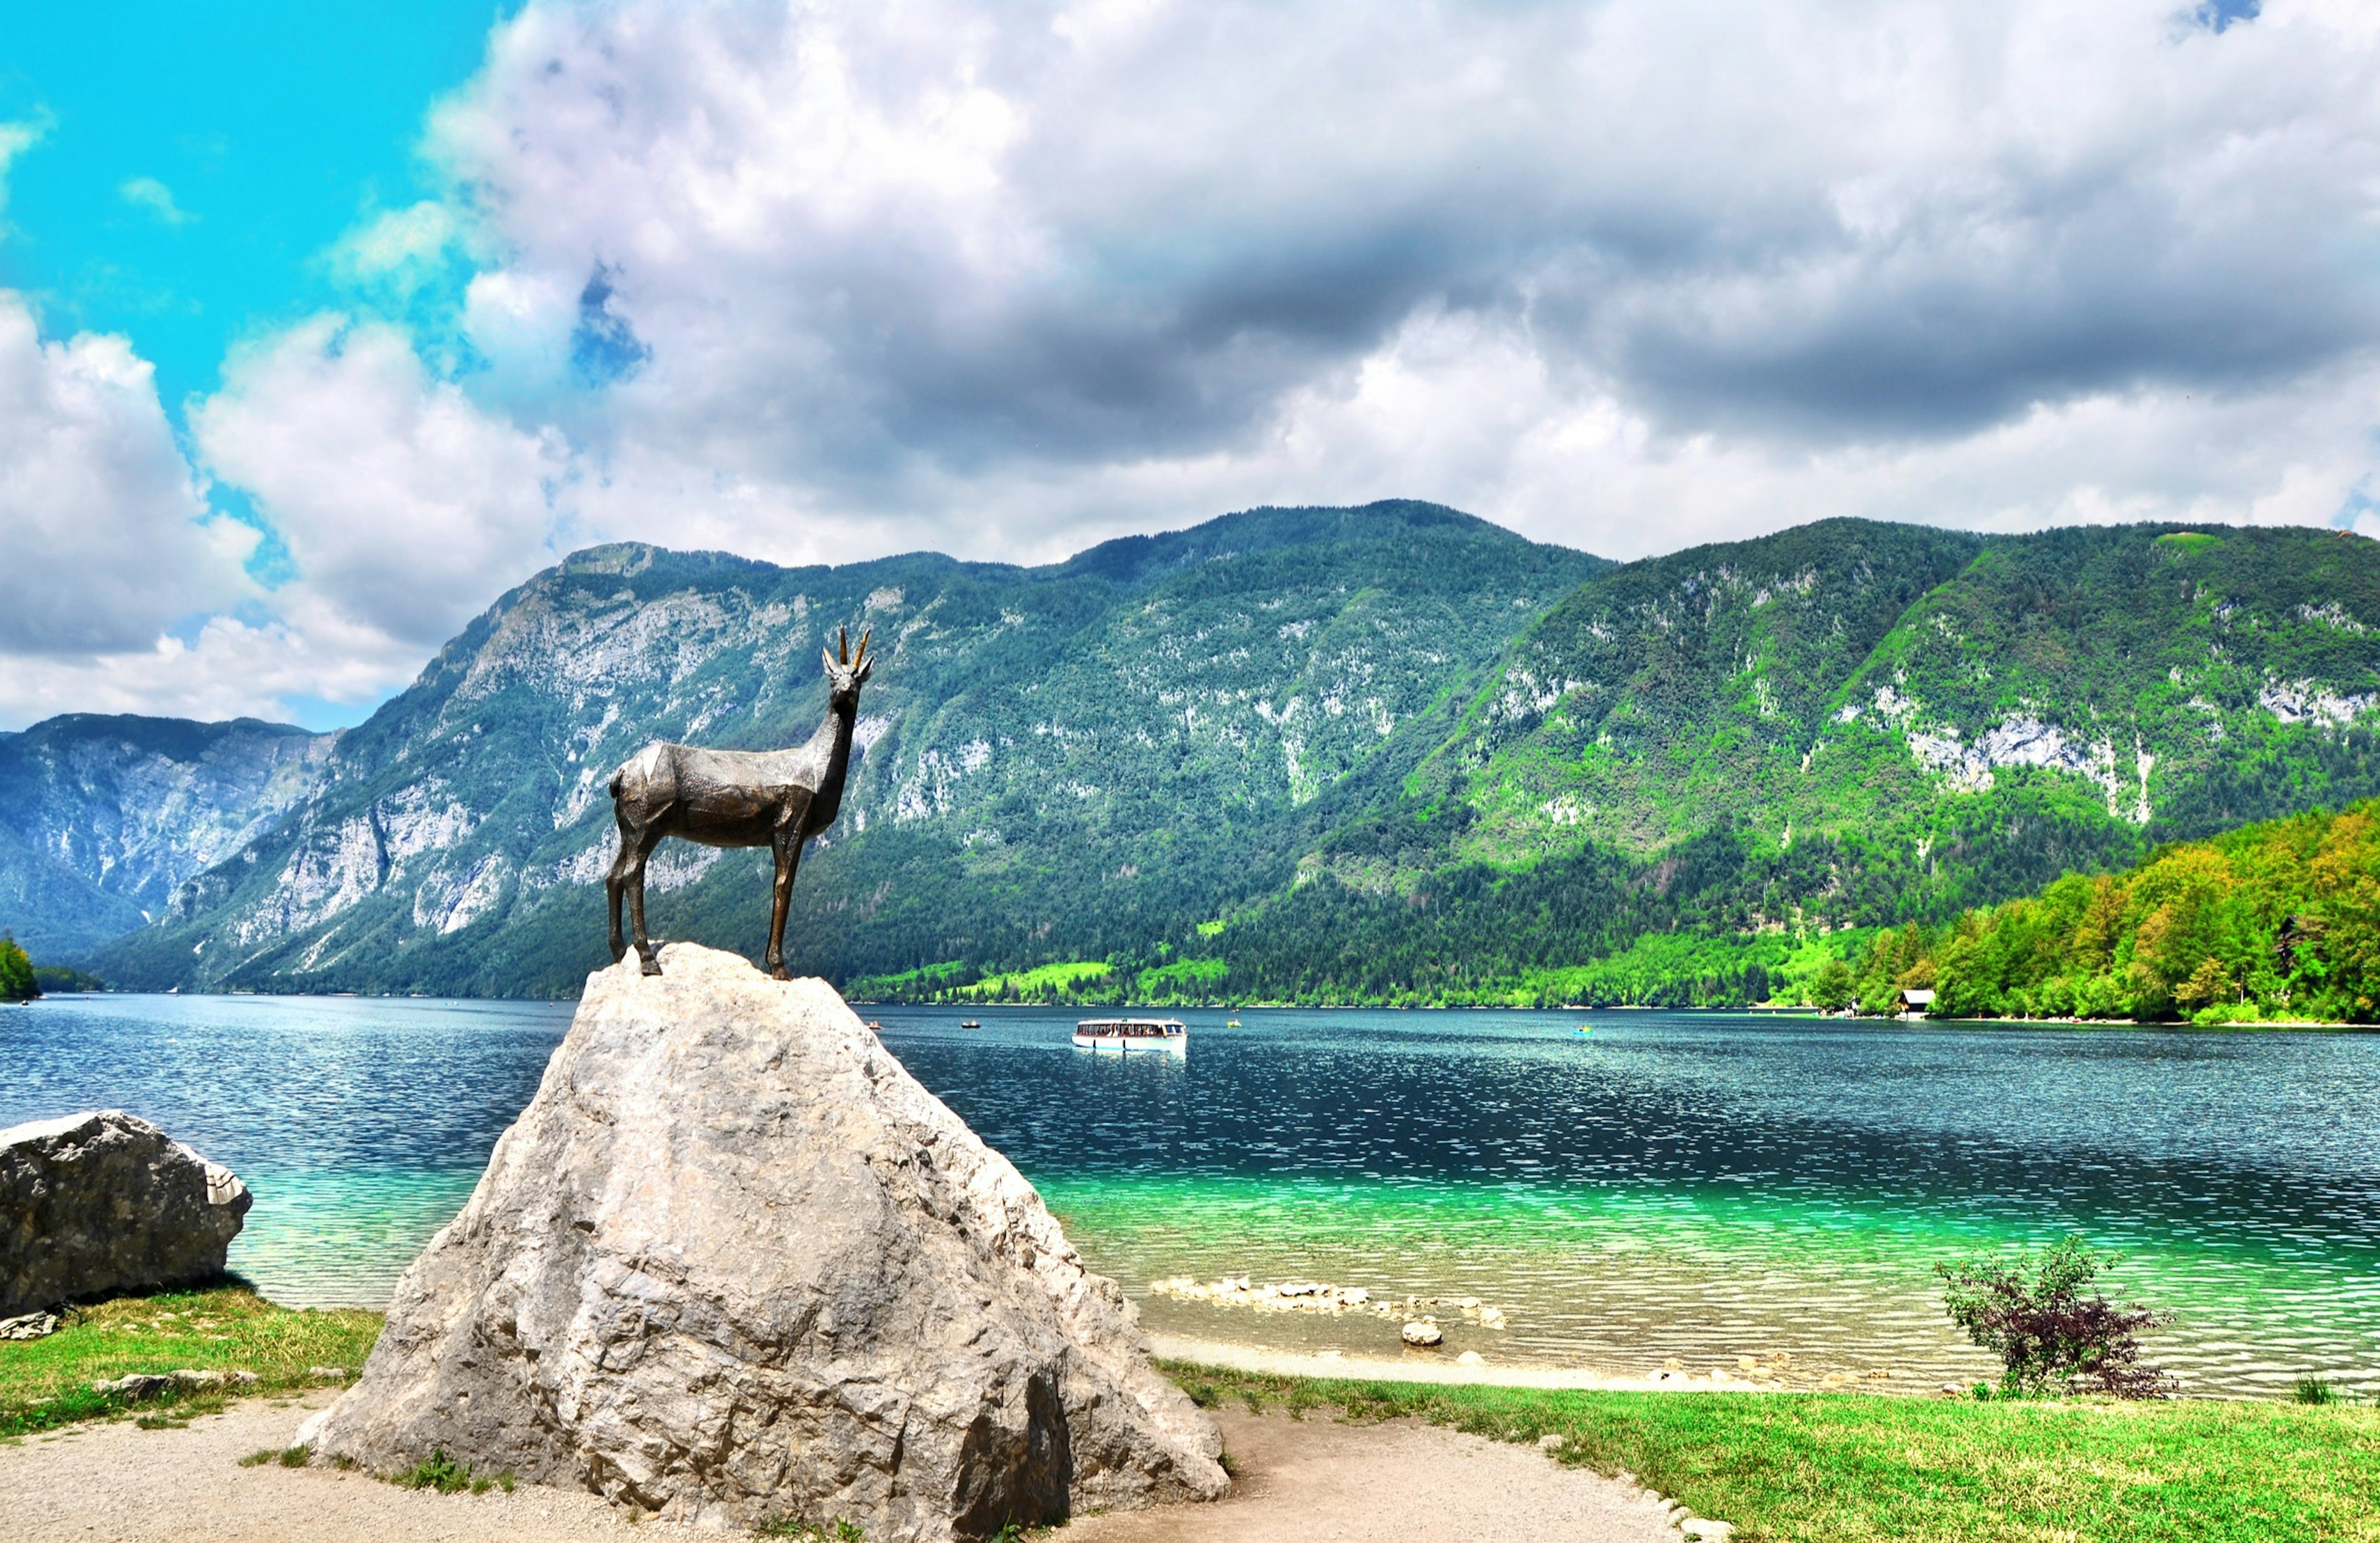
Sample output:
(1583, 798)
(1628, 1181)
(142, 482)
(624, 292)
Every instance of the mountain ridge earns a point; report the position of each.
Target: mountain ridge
(1111, 745)
(102, 816)
(1326, 754)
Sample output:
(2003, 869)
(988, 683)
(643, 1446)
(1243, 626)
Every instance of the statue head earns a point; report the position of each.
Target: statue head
(847, 672)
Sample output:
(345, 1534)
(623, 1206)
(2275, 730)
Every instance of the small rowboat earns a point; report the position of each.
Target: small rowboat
(970, 1023)
(1133, 1036)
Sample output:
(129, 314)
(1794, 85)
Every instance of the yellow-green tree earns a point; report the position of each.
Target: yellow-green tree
(16, 973)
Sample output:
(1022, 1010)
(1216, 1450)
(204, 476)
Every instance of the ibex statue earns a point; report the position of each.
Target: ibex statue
(773, 798)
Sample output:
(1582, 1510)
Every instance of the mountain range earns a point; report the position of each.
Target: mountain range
(1386, 753)
(102, 818)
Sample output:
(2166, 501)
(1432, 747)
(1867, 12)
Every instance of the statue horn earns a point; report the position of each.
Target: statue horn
(843, 645)
(866, 633)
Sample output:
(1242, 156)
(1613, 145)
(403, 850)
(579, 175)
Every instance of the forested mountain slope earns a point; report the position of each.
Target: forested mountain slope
(1843, 725)
(1081, 758)
(1391, 753)
(102, 818)
(2277, 921)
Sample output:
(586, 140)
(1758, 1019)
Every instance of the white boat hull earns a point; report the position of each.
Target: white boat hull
(1176, 1044)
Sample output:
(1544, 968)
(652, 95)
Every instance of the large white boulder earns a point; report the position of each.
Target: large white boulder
(103, 1202)
(734, 1265)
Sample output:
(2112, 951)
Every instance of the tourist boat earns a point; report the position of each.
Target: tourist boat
(970, 1023)
(1133, 1036)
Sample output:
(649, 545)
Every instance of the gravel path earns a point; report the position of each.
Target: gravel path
(1297, 1480)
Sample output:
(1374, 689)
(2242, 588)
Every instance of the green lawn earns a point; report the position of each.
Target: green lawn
(1833, 1467)
(46, 1382)
(1813, 1468)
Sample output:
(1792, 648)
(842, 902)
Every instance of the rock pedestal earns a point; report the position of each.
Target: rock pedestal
(105, 1202)
(734, 1265)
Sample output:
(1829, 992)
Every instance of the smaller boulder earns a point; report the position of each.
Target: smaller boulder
(105, 1202)
(1421, 1336)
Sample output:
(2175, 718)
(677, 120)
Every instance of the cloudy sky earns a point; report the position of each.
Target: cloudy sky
(317, 333)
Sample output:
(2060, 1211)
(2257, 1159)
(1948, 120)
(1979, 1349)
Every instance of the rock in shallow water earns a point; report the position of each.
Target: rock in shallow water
(734, 1264)
(105, 1202)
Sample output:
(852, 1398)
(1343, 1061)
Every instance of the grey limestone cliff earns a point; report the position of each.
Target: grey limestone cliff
(734, 1265)
(102, 817)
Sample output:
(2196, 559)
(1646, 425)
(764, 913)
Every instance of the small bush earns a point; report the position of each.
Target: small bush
(2031, 1311)
(438, 1472)
(840, 1530)
(2313, 1389)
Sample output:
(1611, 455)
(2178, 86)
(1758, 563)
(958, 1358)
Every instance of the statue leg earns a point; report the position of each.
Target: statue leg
(615, 886)
(635, 884)
(789, 856)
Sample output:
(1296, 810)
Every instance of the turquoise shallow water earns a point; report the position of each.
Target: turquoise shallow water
(1692, 1185)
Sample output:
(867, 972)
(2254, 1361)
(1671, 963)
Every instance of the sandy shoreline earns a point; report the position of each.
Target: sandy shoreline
(1231, 1357)
(1674, 1377)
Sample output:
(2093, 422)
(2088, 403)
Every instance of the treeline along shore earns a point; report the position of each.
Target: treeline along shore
(2276, 922)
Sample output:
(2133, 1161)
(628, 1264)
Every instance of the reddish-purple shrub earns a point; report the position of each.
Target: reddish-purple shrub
(2031, 1311)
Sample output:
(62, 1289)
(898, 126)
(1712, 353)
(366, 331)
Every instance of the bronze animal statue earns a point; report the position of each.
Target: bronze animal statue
(773, 798)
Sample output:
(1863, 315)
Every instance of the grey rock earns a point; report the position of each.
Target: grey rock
(1421, 1336)
(29, 1326)
(105, 1202)
(135, 1387)
(734, 1265)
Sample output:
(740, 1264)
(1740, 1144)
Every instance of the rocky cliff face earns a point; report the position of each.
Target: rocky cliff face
(102, 818)
(734, 1265)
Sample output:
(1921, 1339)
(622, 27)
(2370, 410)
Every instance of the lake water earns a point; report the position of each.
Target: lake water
(1698, 1186)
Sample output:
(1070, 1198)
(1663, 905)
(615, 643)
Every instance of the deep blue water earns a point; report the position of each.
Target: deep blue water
(1674, 1184)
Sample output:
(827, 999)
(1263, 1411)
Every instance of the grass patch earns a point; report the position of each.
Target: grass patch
(287, 1457)
(46, 1383)
(837, 1531)
(448, 1476)
(1860, 1468)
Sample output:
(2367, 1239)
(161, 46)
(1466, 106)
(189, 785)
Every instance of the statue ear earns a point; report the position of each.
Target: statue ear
(828, 654)
(867, 668)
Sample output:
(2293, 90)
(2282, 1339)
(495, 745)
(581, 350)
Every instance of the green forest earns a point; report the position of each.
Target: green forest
(2277, 922)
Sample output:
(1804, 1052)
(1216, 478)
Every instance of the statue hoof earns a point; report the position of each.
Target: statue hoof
(650, 965)
(779, 972)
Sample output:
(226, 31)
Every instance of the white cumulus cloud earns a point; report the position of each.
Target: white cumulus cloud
(109, 541)
(403, 506)
(1002, 278)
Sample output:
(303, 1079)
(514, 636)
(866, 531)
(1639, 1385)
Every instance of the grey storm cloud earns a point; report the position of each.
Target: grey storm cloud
(971, 233)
